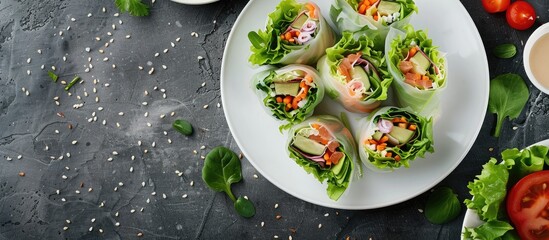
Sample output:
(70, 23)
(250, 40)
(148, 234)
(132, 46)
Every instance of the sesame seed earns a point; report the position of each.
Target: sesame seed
(90, 189)
(145, 151)
(139, 143)
(53, 68)
(101, 230)
(164, 95)
(8, 158)
(178, 39)
(169, 141)
(115, 189)
(162, 115)
(128, 36)
(200, 57)
(491, 149)
(114, 153)
(131, 169)
(202, 157)
(145, 103)
(203, 84)
(140, 234)
(89, 14)
(166, 50)
(57, 191)
(140, 67)
(149, 124)
(117, 224)
(184, 195)
(91, 229)
(164, 196)
(151, 71)
(255, 176)
(109, 159)
(133, 157)
(326, 214)
(156, 54)
(113, 27)
(88, 49)
(420, 210)
(173, 44)
(28, 60)
(65, 228)
(19, 157)
(42, 66)
(21, 174)
(148, 200)
(146, 114)
(195, 152)
(113, 66)
(97, 39)
(73, 19)
(60, 33)
(116, 14)
(276, 205)
(77, 191)
(153, 193)
(104, 122)
(105, 59)
(116, 214)
(320, 225)
(172, 114)
(93, 220)
(68, 28)
(28, 72)
(143, 184)
(164, 67)
(64, 58)
(104, 10)
(515, 128)
(63, 200)
(192, 183)
(74, 142)
(39, 51)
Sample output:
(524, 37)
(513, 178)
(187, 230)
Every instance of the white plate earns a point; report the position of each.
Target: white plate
(471, 218)
(195, 2)
(462, 111)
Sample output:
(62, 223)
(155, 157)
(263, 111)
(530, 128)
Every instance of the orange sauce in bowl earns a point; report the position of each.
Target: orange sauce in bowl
(539, 60)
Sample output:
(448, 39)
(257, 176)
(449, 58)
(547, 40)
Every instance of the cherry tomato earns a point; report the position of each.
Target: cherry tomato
(528, 206)
(494, 6)
(521, 15)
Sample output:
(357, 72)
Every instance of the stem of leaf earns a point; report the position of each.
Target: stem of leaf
(499, 123)
(230, 193)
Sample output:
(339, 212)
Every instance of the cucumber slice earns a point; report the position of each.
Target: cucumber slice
(360, 74)
(291, 89)
(421, 63)
(386, 8)
(308, 146)
(377, 135)
(401, 134)
(299, 21)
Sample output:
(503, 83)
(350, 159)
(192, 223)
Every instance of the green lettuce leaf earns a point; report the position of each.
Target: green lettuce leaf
(335, 82)
(339, 176)
(268, 48)
(417, 147)
(397, 45)
(491, 230)
(262, 83)
(526, 161)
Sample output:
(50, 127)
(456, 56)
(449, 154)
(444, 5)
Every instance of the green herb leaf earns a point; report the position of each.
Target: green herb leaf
(183, 127)
(244, 207)
(53, 76)
(256, 40)
(134, 7)
(507, 50)
(490, 230)
(508, 96)
(442, 206)
(72, 82)
(221, 169)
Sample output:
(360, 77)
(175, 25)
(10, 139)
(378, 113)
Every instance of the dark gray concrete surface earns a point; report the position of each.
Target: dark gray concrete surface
(98, 191)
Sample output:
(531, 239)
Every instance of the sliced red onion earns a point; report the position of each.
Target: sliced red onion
(385, 126)
(309, 26)
(304, 37)
(317, 159)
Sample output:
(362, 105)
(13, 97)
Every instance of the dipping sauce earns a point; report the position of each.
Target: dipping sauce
(539, 60)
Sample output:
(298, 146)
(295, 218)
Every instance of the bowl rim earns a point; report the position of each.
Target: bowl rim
(536, 35)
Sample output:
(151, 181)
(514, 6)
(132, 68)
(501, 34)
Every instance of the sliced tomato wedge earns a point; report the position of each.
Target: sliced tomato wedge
(528, 206)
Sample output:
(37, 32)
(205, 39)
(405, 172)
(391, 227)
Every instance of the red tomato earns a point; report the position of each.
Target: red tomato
(528, 206)
(521, 15)
(494, 6)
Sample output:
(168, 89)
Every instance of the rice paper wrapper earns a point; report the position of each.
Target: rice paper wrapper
(347, 18)
(422, 143)
(336, 86)
(274, 51)
(347, 169)
(424, 102)
(266, 94)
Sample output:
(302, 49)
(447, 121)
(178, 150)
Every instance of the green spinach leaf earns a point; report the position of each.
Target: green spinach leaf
(442, 206)
(508, 96)
(134, 7)
(222, 169)
(183, 127)
(507, 50)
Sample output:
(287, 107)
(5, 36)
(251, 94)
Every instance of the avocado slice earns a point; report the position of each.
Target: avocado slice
(360, 74)
(289, 88)
(403, 135)
(421, 63)
(377, 135)
(299, 21)
(308, 146)
(386, 8)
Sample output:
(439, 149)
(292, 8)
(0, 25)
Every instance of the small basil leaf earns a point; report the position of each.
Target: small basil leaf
(507, 50)
(183, 127)
(256, 40)
(442, 206)
(244, 207)
(221, 169)
(508, 96)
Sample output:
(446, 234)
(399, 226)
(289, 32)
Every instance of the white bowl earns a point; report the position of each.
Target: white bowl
(536, 35)
(194, 2)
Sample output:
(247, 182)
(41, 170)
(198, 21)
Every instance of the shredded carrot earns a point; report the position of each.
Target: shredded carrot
(389, 154)
(291, 40)
(372, 2)
(425, 77)
(376, 17)
(278, 99)
(312, 10)
(400, 120)
(326, 156)
(403, 125)
(288, 36)
(315, 126)
(397, 158)
(412, 127)
(413, 51)
(301, 84)
(295, 101)
(372, 141)
(381, 147)
(362, 9)
(282, 37)
(308, 79)
(287, 99)
(297, 33)
(383, 139)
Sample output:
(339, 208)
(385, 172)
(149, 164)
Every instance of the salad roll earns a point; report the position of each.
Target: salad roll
(290, 93)
(296, 33)
(418, 68)
(324, 147)
(372, 17)
(392, 137)
(355, 75)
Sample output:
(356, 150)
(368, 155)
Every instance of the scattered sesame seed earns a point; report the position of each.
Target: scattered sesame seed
(91, 229)
(89, 14)
(166, 50)
(57, 191)
(153, 144)
(28, 72)
(113, 27)
(133, 157)
(276, 205)
(169, 141)
(90, 189)
(194, 34)
(64, 58)
(128, 36)
(116, 214)
(109, 159)
(164, 67)
(255, 176)
(74, 142)
(184, 195)
(146, 114)
(202, 157)
(172, 114)
(42, 66)
(420, 210)
(156, 54)
(195, 152)
(140, 67)
(97, 39)
(116, 14)
(162, 115)
(278, 217)
(262, 224)
(121, 114)
(104, 122)
(153, 193)
(203, 84)
(39, 51)
(105, 59)
(28, 60)
(60, 33)
(131, 169)
(115, 189)
(151, 71)
(320, 225)
(113, 66)
(200, 57)
(77, 191)
(145, 151)
(148, 200)
(164, 195)
(63, 200)
(132, 211)
(65, 228)
(491, 149)
(53, 68)
(73, 19)
(192, 183)
(19, 157)
(143, 184)
(173, 44)
(140, 234)
(21, 174)
(117, 224)
(93, 220)
(145, 103)
(515, 128)
(178, 39)
(149, 124)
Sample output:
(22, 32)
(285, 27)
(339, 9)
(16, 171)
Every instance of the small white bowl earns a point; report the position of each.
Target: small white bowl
(536, 35)
(194, 2)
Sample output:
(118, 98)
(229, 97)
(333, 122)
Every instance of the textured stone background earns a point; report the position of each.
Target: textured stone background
(148, 196)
